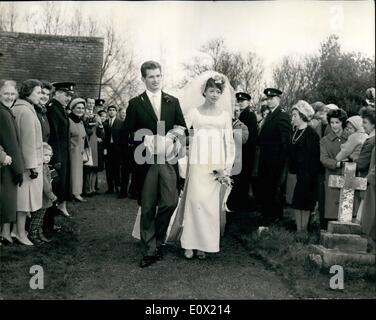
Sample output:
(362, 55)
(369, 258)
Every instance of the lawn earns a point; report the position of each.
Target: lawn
(286, 252)
(95, 257)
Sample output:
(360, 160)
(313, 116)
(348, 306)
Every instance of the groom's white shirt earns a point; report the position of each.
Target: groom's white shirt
(155, 100)
(161, 145)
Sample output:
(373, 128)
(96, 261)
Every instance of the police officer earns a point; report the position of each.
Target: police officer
(239, 199)
(274, 137)
(59, 140)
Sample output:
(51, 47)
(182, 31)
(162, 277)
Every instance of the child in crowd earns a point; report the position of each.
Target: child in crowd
(351, 148)
(36, 224)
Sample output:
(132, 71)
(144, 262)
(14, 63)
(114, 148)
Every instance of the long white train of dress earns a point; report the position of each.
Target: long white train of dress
(212, 148)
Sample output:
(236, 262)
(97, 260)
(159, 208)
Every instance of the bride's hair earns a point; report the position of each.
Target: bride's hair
(214, 82)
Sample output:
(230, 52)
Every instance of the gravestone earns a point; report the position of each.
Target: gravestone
(348, 183)
(343, 243)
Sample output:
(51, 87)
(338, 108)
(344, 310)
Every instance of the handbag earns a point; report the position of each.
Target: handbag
(87, 156)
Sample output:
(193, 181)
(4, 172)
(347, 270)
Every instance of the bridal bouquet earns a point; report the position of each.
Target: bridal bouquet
(222, 178)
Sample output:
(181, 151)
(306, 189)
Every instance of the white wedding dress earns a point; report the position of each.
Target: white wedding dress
(212, 148)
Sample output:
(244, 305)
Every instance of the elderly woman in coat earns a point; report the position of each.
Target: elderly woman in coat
(304, 163)
(77, 145)
(11, 175)
(5, 160)
(29, 197)
(330, 146)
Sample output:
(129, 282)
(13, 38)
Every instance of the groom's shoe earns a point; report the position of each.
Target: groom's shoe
(159, 253)
(147, 261)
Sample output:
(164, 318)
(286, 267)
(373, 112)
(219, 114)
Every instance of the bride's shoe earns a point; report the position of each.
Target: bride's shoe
(201, 255)
(188, 253)
(79, 199)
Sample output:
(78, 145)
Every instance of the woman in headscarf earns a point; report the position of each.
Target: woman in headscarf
(77, 146)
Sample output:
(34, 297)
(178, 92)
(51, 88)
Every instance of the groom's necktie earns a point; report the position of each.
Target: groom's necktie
(154, 104)
(110, 126)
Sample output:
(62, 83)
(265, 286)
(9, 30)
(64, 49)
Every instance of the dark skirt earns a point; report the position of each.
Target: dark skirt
(305, 193)
(8, 196)
(61, 185)
(100, 157)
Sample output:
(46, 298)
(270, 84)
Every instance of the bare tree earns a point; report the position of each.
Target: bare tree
(76, 25)
(230, 64)
(92, 27)
(8, 17)
(31, 22)
(216, 49)
(209, 58)
(13, 16)
(51, 18)
(297, 77)
(3, 22)
(251, 73)
(119, 74)
(244, 72)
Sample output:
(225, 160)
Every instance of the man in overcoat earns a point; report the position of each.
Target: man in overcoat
(274, 137)
(59, 140)
(112, 143)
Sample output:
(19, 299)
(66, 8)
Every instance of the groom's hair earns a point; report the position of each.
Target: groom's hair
(149, 65)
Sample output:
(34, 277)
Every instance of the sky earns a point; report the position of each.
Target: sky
(172, 31)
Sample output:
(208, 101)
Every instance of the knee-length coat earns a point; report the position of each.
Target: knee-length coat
(8, 189)
(30, 193)
(60, 142)
(77, 145)
(330, 146)
(304, 161)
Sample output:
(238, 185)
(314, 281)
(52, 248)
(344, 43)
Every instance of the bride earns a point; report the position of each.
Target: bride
(207, 104)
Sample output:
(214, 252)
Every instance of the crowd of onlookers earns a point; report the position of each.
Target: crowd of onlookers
(289, 158)
(53, 144)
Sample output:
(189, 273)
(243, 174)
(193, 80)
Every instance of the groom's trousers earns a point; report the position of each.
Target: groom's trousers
(159, 190)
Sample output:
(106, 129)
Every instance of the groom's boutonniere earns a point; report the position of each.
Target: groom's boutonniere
(222, 178)
(166, 98)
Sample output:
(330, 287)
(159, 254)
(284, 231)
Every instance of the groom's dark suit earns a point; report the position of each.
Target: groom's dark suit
(157, 183)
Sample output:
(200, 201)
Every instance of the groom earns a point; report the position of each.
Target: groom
(156, 112)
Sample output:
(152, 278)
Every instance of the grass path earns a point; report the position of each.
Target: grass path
(105, 264)
(95, 257)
